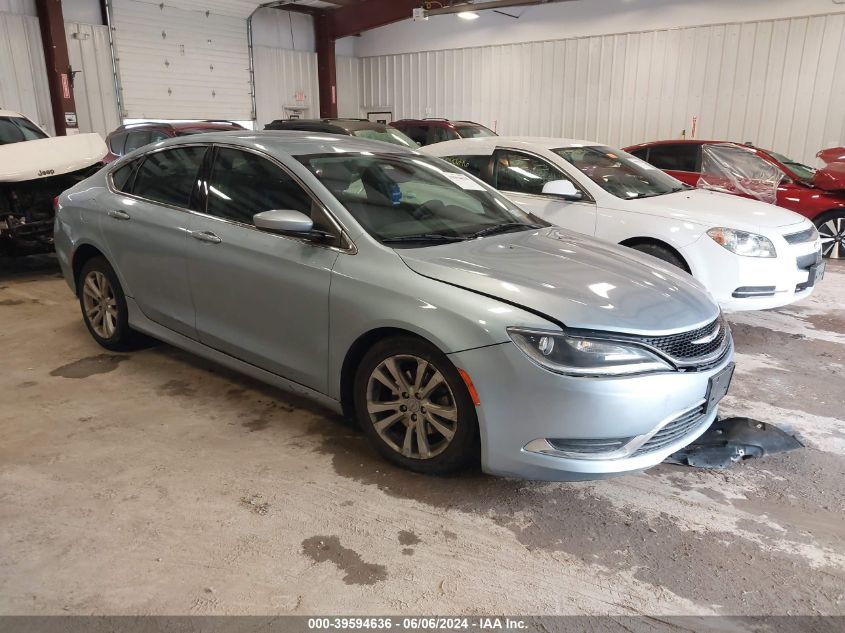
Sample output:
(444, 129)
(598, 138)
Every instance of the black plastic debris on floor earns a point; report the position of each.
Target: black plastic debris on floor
(731, 440)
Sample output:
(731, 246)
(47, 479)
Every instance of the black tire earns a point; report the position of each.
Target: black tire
(662, 253)
(122, 337)
(461, 450)
(831, 226)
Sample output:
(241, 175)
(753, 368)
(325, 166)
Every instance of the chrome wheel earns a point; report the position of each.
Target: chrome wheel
(832, 233)
(411, 406)
(100, 304)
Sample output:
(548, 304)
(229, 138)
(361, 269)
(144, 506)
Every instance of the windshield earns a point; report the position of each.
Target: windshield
(473, 131)
(415, 200)
(619, 173)
(801, 171)
(17, 129)
(387, 135)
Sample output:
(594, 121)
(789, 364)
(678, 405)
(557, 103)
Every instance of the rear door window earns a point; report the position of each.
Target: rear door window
(476, 165)
(438, 134)
(169, 176)
(419, 133)
(675, 156)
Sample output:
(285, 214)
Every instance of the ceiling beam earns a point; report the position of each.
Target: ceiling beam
(370, 14)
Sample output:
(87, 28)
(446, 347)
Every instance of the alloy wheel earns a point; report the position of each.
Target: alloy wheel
(411, 406)
(100, 304)
(832, 234)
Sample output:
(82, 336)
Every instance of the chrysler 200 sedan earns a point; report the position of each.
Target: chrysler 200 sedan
(396, 288)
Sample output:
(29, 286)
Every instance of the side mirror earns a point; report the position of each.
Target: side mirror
(562, 188)
(285, 221)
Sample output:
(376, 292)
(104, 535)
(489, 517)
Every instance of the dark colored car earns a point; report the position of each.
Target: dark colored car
(362, 128)
(428, 131)
(800, 190)
(131, 136)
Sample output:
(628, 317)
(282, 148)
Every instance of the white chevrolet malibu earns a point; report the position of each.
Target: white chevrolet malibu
(748, 254)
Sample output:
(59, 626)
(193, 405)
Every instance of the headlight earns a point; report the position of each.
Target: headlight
(742, 243)
(579, 356)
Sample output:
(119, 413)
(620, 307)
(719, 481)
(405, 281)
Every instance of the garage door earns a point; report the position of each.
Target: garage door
(184, 59)
(23, 73)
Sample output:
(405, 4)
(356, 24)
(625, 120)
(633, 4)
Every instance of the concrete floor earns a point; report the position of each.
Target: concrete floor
(155, 483)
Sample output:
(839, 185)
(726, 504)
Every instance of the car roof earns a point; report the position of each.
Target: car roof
(343, 124)
(483, 145)
(436, 121)
(179, 125)
(292, 143)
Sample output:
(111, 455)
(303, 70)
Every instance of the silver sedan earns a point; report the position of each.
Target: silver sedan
(403, 292)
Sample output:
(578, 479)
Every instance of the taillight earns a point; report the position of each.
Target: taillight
(56, 204)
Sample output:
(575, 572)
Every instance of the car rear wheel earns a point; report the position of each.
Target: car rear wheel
(104, 305)
(414, 407)
(661, 252)
(831, 228)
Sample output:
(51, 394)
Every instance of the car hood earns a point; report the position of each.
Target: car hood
(30, 160)
(572, 279)
(712, 209)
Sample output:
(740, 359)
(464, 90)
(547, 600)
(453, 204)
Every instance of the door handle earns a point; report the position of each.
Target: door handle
(206, 236)
(119, 215)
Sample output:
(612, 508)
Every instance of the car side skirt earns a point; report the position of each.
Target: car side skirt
(139, 322)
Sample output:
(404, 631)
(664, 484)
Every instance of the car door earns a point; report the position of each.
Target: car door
(521, 176)
(145, 229)
(261, 297)
(679, 160)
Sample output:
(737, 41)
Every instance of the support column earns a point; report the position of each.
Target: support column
(59, 74)
(326, 66)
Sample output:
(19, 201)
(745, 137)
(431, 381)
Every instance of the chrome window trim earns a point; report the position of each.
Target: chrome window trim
(587, 195)
(349, 249)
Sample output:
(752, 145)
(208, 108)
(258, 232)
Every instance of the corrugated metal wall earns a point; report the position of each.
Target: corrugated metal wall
(93, 88)
(348, 86)
(780, 84)
(186, 62)
(279, 75)
(23, 72)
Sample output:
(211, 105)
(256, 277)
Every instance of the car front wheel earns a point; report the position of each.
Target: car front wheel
(414, 407)
(831, 228)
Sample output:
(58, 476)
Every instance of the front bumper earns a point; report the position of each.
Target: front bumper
(523, 404)
(753, 283)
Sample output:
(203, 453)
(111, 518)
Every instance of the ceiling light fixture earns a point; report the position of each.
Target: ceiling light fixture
(468, 15)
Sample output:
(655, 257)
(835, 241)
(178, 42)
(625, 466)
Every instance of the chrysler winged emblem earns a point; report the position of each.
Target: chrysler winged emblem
(708, 337)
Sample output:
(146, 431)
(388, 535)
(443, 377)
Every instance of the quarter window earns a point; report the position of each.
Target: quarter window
(440, 134)
(678, 157)
(121, 177)
(116, 144)
(169, 176)
(419, 133)
(134, 140)
(522, 173)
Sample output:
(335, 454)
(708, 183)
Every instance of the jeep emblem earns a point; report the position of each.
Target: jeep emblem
(46, 172)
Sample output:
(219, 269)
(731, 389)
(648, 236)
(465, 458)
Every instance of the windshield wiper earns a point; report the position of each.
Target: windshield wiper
(422, 237)
(504, 228)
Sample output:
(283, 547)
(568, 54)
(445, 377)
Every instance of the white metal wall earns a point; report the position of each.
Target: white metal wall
(778, 83)
(186, 61)
(23, 72)
(348, 86)
(279, 75)
(93, 87)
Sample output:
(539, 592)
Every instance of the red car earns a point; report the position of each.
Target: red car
(817, 195)
(131, 136)
(428, 131)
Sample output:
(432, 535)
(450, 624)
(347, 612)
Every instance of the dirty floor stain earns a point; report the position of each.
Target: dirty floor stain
(90, 366)
(328, 548)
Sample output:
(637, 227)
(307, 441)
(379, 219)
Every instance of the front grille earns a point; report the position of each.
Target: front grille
(682, 347)
(805, 262)
(807, 235)
(681, 426)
